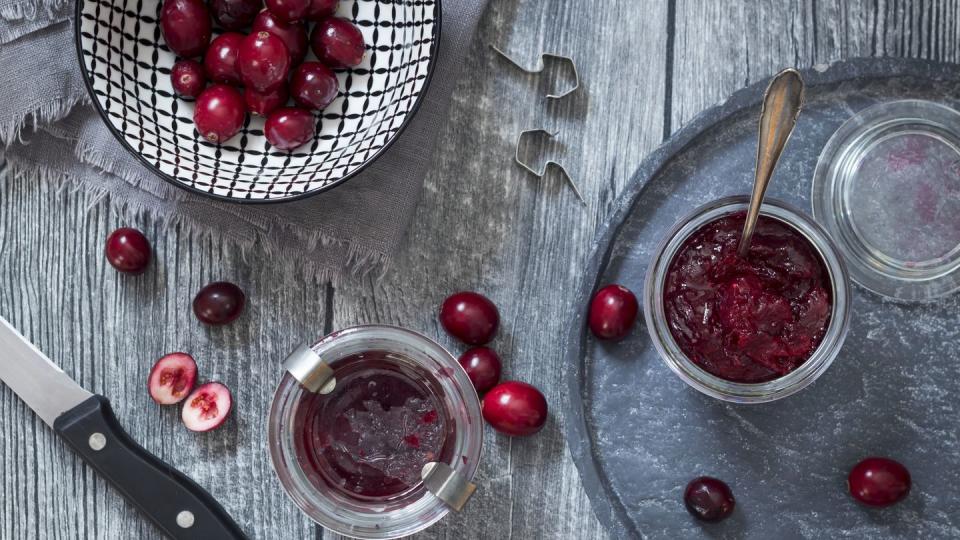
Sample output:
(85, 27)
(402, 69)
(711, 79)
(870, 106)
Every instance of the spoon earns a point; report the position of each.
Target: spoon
(781, 107)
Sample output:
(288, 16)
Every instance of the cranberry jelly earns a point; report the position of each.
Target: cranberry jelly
(373, 434)
(752, 319)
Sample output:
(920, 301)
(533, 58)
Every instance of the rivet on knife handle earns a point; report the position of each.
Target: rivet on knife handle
(447, 484)
(311, 371)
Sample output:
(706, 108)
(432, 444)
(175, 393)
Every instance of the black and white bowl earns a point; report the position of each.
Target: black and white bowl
(126, 66)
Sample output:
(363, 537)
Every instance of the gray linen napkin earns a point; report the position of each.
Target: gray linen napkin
(49, 131)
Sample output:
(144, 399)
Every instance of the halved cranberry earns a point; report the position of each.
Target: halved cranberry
(219, 303)
(263, 104)
(235, 14)
(172, 378)
(128, 250)
(289, 10)
(482, 366)
(612, 312)
(289, 127)
(470, 317)
(878, 481)
(320, 9)
(313, 85)
(337, 43)
(186, 26)
(187, 78)
(263, 61)
(294, 35)
(220, 61)
(207, 407)
(219, 113)
(709, 499)
(515, 408)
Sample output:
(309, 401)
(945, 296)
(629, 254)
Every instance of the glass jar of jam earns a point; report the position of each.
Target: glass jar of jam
(747, 329)
(351, 457)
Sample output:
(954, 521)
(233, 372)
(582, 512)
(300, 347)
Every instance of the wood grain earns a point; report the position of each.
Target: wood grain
(647, 68)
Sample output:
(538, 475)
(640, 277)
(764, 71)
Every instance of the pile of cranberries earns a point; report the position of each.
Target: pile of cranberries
(512, 407)
(260, 71)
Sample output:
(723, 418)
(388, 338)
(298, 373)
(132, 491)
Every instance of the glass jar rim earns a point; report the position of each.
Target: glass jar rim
(712, 385)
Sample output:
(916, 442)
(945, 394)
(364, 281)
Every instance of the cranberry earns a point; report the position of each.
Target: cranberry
(187, 78)
(219, 303)
(221, 58)
(263, 61)
(337, 43)
(294, 35)
(470, 317)
(878, 481)
(612, 312)
(207, 407)
(289, 10)
(265, 103)
(219, 113)
(321, 9)
(482, 366)
(172, 378)
(186, 26)
(709, 499)
(235, 14)
(313, 85)
(289, 127)
(515, 408)
(128, 250)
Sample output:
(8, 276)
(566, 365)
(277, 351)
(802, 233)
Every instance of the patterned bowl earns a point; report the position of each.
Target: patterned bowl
(126, 67)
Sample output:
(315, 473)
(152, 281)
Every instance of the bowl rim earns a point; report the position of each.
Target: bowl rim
(88, 84)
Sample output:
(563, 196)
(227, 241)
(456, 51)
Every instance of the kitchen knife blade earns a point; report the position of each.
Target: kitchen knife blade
(174, 503)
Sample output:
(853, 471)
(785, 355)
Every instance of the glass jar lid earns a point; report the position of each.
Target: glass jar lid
(887, 189)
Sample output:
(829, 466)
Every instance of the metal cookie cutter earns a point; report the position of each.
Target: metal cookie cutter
(311, 371)
(550, 163)
(540, 66)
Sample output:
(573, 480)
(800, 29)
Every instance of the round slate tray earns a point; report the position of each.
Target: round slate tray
(638, 433)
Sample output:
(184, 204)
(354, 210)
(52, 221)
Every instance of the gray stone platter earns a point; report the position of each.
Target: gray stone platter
(638, 433)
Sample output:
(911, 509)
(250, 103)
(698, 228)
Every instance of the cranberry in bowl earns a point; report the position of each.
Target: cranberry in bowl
(753, 329)
(352, 455)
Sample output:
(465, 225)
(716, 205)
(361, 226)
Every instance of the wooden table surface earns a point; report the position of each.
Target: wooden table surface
(646, 69)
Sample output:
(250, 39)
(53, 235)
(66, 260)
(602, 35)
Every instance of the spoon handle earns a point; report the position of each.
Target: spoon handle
(781, 107)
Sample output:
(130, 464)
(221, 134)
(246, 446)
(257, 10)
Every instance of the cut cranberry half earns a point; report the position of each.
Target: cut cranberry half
(482, 366)
(220, 61)
(289, 128)
(613, 312)
(219, 113)
(337, 43)
(313, 85)
(207, 407)
(128, 250)
(263, 61)
(294, 35)
(470, 317)
(320, 9)
(265, 103)
(186, 26)
(515, 408)
(709, 499)
(879, 481)
(172, 378)
(188, 78)
(220, 302)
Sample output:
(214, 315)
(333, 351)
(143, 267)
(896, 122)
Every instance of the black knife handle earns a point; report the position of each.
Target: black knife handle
(174, 503)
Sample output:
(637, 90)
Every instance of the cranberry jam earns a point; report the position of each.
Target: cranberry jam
(373, 434)
(753, 319)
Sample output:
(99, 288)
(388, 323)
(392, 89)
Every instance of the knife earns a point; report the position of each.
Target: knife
(173, 502)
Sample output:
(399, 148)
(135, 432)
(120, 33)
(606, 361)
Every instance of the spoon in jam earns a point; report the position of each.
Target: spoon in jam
(781, 106)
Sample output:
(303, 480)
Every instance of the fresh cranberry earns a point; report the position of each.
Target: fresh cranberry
(235, 14)
(482, 366)
(289, 127)
(172, 378)
(187, 78)
(313, 85)
(263, 104)
(128, 250)
(878, 481)
(294, 34)
(515, 408)
(221, 58)
(337, 43)
(186, 26)
(207, 407)
(219, 303)
(612, 312)
(709, 499)
(263, 61)
(470, 317)
(219, 113)
(289, 10)
(321, 9)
